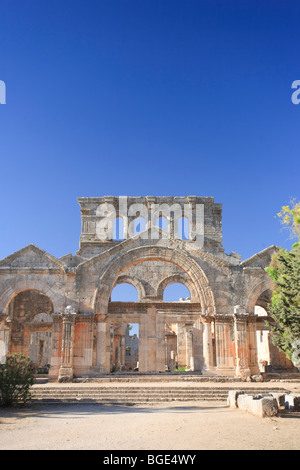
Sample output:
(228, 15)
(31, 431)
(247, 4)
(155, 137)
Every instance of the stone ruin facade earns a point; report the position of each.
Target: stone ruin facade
(59, 312)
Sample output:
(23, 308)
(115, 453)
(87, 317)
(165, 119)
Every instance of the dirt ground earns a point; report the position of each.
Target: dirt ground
(176, 426)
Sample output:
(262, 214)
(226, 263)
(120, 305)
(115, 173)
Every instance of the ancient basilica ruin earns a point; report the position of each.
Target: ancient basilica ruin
(59, 311)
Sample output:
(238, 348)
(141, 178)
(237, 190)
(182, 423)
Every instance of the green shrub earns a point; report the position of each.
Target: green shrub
(16, 378)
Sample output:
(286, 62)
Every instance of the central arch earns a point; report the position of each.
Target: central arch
(203, 292)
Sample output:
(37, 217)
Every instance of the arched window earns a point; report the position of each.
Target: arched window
(183, 228)
(176, 292)
(139, 225)
(124, 293)
(118, 229)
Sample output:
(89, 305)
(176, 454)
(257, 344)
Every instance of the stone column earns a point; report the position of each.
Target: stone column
(241, 345)
(55, 361)
(122, 351)
(122, 334)
(152, 342)
(143, 340)
(207, 345)
(160, 363)
(181, 346)
(66, 368)
(189, 347)
(111, 347)
(252, 341)
(225, 350)
(102, 349)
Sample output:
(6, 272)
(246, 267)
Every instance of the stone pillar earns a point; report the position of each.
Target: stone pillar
(252, 341)
(241, 345)
(111, 347)
(102, 355)
(143, 340)
(152, 342)
(121, 331)
(181, 346)
(189, 347)
(118, 358)
(207, 345)
(66, 368)
(160, 342)
(122, 351)
(225, 349)
(55, 361)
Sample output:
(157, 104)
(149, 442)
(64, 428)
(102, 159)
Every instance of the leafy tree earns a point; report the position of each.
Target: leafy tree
(284, 271)
(16, 378)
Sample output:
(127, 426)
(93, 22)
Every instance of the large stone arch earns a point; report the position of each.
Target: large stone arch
(203, 292)
(18, 284)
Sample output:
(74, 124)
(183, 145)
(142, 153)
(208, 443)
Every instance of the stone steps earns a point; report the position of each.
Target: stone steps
(133, 395)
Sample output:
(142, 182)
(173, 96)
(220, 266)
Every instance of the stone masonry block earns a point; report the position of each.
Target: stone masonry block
(280, 397)
(292, 402)
(258, 405)
(232, 398)
(265, 407)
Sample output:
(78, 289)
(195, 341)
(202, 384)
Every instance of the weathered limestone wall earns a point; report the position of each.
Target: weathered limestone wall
(81, 332)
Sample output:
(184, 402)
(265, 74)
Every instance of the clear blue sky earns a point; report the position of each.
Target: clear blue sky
(147, 97)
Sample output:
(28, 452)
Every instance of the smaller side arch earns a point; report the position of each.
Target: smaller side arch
(135, 282)
(17, 285)
(176, 278)
(256, 292)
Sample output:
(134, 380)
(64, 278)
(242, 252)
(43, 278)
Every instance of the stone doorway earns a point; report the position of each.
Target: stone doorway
(124, 345)
(40, 349)
(132, 347)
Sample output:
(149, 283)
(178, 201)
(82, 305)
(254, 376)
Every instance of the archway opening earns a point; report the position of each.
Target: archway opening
(30, 312)
(132, 347)
(270, 357)
(176, 292)
(124, 292)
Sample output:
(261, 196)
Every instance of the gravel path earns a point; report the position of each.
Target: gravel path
(188, 426)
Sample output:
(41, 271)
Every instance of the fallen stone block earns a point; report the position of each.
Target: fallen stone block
(258, 405)
(265, 407)
(243, 402)
(280, 398)
(292, 402)
(232, 398)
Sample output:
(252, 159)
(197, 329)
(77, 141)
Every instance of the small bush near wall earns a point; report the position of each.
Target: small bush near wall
(16, 378)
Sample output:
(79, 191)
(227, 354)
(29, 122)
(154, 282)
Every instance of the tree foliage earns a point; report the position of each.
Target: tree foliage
(16, 378)
(284, 271)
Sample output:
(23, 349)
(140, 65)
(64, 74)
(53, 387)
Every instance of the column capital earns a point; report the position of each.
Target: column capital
(69, 313)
